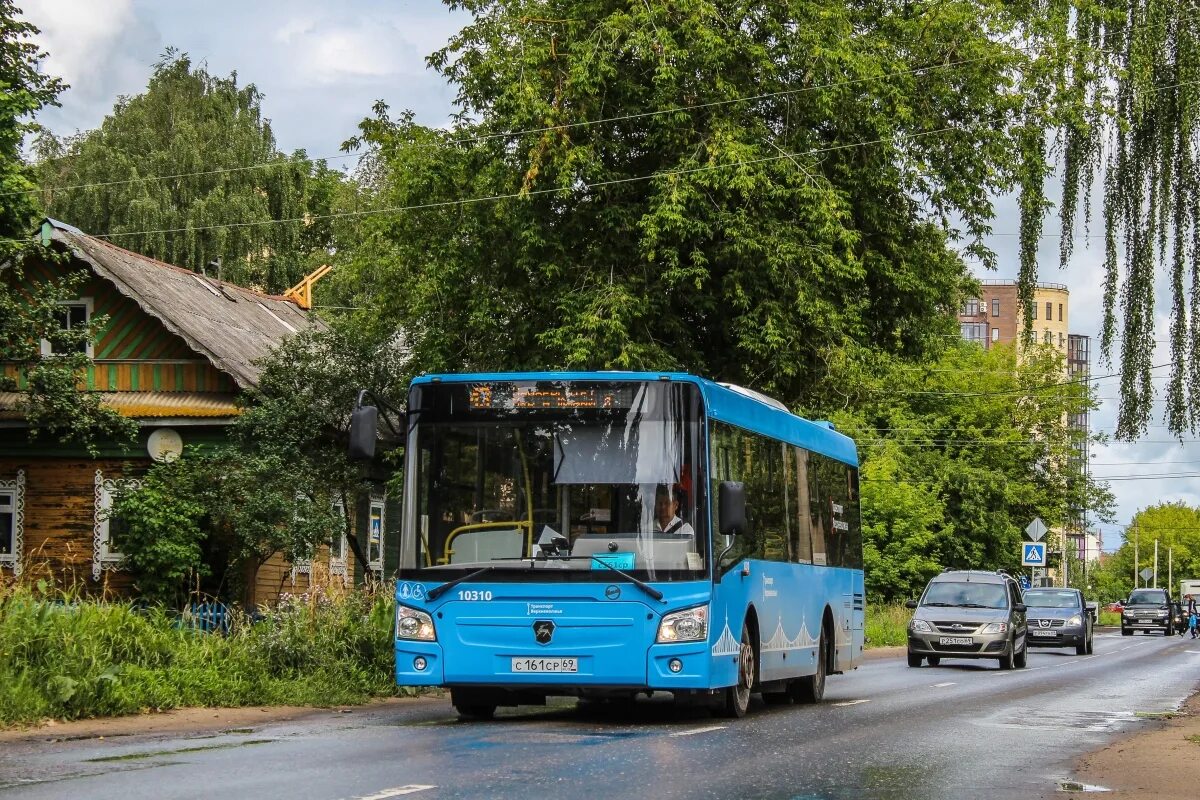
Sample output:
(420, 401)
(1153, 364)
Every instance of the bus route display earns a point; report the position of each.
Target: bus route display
(548, 396)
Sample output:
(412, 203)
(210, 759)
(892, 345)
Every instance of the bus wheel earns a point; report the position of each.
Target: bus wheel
(737, 697)
(811, 688)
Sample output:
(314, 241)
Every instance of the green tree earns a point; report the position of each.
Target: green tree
(210, 132)
(29, 311)
(275, 488)
(958, 455)
(1176, 529)
(731, 237)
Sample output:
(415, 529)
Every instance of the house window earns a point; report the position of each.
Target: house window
(971, 308)
(1049, 311)
(995, 334)
(337, 543)
(375, 537)
(1060, 312)
(1061, 340)
(995, 307)
(12, 519)
(1047, 337)
(73, 314)
(1035, 310)
(108, 528)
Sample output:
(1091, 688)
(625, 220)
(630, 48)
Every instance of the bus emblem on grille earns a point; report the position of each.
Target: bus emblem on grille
(543, 631)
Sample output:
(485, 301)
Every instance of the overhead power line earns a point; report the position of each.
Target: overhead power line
(508, 134)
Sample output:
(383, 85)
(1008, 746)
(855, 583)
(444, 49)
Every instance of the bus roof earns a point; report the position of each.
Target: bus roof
(729, 404)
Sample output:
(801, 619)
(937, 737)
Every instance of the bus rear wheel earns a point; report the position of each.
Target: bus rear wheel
(811, 688)
(736, 700)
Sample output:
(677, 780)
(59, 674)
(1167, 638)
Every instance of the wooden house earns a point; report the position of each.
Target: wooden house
(176, 351)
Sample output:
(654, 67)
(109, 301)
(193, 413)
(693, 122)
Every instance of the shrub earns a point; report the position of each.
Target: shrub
(67, 657)
(887, 625)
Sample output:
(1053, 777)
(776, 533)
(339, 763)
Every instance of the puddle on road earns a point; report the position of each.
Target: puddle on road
(1076, 786)
(1038, 719)
(156, 753)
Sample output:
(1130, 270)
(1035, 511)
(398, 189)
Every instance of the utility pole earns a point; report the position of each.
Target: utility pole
(1135, 558)
(1156, 563)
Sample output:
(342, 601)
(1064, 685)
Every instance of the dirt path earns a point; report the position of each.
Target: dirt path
(1158, 763)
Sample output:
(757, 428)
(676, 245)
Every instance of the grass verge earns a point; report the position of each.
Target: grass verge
(887, 625)
(65, 657)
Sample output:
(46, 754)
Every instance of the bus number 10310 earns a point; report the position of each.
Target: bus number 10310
(474, 594)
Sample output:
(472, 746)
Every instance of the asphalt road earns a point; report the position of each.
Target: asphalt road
(964, 729)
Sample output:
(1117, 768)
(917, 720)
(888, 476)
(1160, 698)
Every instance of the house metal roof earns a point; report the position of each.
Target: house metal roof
(229, 325)
(147, 405)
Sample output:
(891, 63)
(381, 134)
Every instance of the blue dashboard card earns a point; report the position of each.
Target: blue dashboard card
(616, 560)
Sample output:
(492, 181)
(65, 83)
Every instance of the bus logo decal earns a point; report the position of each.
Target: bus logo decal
(543, 631)
(612, 591)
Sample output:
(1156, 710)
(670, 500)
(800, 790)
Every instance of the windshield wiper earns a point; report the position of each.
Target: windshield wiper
(944, 605)
(438, 591)
(974, 605)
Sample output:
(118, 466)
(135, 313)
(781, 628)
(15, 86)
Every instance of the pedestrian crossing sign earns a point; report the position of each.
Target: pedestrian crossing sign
(1033, 554)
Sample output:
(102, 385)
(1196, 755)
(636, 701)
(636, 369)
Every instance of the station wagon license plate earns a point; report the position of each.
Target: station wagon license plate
(952, 640)
(545, 664)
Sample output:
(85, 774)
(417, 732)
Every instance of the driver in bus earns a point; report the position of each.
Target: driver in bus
(667, 499)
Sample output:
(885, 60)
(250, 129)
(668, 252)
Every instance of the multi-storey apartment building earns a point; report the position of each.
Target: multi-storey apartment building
(996, 317)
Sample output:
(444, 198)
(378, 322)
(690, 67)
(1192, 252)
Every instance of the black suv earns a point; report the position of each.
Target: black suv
(1147, 610)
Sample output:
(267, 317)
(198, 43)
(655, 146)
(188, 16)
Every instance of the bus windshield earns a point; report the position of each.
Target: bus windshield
(565, 477)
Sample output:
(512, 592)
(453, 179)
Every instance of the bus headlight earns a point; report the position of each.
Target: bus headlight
(690, 625)
(413, 624)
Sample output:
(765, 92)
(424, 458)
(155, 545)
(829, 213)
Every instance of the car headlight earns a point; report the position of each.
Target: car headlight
(1075, 621)
(689, 625)
(413, 624)
(921, 626)
(1129, 615)
(995, 627)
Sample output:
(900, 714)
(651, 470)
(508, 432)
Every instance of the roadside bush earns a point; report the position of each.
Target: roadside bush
(66, 657)
(887, 624)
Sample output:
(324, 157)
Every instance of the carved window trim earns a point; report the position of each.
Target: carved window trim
(15, 559)
(377, 502)
(104, 559)
(337, 565)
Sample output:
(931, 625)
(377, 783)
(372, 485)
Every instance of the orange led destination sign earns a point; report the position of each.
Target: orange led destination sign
(548, 396)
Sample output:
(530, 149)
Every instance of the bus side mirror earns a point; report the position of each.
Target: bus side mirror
(731, 497)
(364, 428)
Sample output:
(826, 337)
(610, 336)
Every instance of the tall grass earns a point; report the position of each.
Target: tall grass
(887, 625)
(66, 657)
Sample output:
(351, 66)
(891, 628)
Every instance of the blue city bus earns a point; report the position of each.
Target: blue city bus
(605, 534)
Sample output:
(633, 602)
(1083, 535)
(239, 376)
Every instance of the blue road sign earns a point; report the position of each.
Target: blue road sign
(1033, 554)
(1024, 579)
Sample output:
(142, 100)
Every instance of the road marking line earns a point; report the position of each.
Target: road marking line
(412, 788)
(852, 702)
(1193, 652)
(940, 685)
(694, 731)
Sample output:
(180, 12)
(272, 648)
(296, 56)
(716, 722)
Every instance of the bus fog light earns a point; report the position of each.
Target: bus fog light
(675, 665)
(419, 664)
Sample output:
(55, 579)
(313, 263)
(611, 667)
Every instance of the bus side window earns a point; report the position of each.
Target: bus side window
(818, 515)
(802, 550)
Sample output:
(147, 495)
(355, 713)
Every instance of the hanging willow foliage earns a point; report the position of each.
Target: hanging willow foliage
(1127, 98)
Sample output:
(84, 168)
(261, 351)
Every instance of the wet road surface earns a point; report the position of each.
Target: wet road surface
(964, 729)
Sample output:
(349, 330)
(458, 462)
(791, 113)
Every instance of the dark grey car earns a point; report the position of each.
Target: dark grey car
(1058, 618)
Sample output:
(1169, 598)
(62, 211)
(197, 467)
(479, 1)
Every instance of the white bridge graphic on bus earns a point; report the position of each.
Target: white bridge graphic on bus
(727, 645)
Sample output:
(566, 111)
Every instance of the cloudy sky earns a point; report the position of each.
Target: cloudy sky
(322, 65)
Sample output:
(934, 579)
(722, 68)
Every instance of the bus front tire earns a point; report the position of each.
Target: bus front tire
(811, 688)
(736, 700)
(476, 712)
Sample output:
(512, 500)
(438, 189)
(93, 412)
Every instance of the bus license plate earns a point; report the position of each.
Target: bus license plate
(545, 665)
(956, 640)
